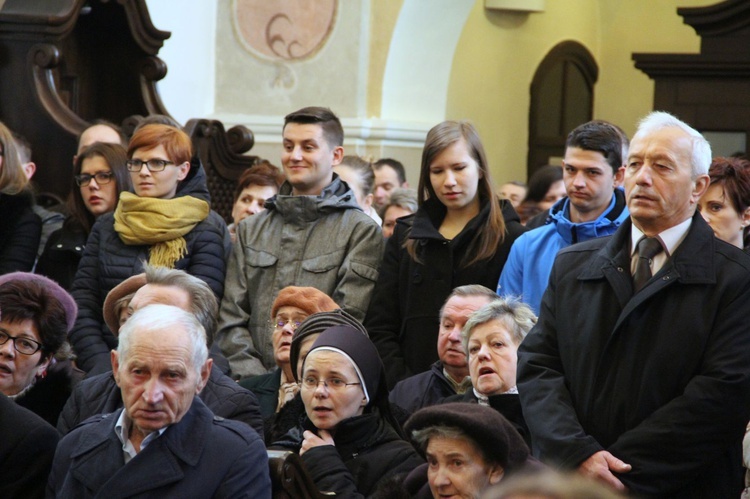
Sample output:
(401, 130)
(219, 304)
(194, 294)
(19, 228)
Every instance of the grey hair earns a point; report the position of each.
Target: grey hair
(511, 311)
(203, 303)
(403, 198)
(470, 290)
(157, 317)
(700, 157)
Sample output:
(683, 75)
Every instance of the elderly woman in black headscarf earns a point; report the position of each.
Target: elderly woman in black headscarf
(468, 448)
(348, 439)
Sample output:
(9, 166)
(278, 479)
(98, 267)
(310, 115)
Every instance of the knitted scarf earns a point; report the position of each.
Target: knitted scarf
(160, 223)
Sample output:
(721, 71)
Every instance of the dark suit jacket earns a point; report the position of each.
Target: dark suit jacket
(27, 444)
(659, 378)
(200, 456)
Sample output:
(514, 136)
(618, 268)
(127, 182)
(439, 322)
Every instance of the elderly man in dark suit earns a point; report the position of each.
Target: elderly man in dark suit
(638, 370)
(165, 442)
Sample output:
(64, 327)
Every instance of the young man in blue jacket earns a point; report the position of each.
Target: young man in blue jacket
(593, 169)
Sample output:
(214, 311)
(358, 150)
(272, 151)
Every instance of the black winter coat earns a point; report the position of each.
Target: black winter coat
(107, 261)
(100, 395)
(659, 378)
(507, 404)
(27, 445)
(421, 390)
(403, 317)
(20, 231)
(367, 451)
(62, 254)
(49, 395)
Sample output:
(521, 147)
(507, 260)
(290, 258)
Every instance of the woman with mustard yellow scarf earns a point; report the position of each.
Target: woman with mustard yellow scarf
(167, 221)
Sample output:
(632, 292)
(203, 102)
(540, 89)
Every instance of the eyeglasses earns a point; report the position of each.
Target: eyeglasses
(280, 323)
(84, 179)
(334, 384)
(153, 165)
(22, 345)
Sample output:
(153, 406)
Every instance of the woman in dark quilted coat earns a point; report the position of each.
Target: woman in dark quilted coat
(167, 221)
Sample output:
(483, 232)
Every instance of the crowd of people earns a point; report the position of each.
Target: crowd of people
(582, 336)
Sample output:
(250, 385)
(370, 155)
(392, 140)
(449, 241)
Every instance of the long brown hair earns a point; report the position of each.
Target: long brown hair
(492, 233)
(114, 155)
(12, 177)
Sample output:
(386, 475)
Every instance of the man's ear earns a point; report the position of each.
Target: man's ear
(619, 176)
(338, 155)
(204, 375)
(700, 186)
(29, 169)
(115, 360)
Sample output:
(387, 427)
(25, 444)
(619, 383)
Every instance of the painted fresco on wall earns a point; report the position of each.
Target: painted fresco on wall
(286, 30)
(274, 56)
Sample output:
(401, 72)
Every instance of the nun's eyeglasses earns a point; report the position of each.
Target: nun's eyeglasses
(334, 384)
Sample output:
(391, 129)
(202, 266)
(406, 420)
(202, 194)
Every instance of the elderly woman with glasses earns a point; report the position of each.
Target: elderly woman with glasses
(293, 305)
(99, 175)
(166, 221)
(491, 337)
(348, 439)
(35, 317)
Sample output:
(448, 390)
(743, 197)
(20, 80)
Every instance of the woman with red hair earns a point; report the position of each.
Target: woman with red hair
(167, 221)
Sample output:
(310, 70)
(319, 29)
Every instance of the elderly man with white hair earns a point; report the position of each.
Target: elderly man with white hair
(165, 442)
(638, 370)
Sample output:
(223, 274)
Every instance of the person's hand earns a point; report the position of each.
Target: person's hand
(312, 440)
(601, 465)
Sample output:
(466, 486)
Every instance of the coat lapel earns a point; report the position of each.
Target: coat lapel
(100, 467)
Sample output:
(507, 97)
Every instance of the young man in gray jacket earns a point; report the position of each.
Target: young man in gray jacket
(312, 233)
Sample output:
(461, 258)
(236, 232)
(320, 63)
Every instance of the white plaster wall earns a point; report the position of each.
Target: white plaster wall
(420, 59)
(188, 90)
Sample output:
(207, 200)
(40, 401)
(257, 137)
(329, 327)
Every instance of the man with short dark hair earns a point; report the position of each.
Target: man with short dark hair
(389, 175)
(595, 206)
(450, 374)
(313, 233)
(164, 442)
(637, 372)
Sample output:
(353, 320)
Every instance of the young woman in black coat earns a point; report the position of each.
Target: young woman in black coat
(461, 234)
(99, 175)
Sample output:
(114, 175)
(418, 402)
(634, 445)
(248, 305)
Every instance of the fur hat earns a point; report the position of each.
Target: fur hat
(490, 431)
(126, 287)
(67, 301)
(309, 300)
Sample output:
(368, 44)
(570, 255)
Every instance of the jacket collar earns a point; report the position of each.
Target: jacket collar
(336, 196)
(683, 264)
(604, 225)
(430, 215)
(97, 460)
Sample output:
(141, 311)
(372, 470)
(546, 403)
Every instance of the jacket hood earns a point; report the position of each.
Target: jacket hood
(336, 196)
(194, 184)
(607, 223)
